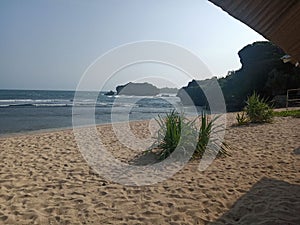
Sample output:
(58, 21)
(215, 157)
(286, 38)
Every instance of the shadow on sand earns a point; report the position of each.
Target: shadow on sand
(268, 202)
(144, 159)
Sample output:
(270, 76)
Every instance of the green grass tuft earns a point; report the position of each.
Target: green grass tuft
(257, 109)
(176, 131)
(292, 113)
(206, 129)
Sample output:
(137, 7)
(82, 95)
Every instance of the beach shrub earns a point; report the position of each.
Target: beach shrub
(169, 133)
(204, 134)
(207, 127)
(258, 110)
(176, 131)
(241, 118)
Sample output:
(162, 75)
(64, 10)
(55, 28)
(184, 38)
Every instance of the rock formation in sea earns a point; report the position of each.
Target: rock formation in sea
(138, 89)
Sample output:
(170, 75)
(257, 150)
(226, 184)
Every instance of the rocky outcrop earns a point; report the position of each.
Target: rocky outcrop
(109, 93)
(167, 90)
(262, 71)
(194, 92)
(138, 89)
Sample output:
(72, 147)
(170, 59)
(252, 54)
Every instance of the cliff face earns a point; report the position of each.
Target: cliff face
(138, 89)
(194, 92)
(262, 71)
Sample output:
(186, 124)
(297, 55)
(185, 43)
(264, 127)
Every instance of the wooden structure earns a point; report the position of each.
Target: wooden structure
(292, 96)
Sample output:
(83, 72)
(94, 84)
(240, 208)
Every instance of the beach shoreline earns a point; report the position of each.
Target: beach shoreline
(68, 128)
(50, 130)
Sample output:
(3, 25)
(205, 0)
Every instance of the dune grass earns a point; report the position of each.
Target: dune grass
(258, 110)
(177, 132)
(204, 134)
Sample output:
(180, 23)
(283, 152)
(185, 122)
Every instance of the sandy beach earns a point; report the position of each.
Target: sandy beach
(45, 180)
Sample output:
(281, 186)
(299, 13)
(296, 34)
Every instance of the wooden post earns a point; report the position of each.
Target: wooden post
(287, 100)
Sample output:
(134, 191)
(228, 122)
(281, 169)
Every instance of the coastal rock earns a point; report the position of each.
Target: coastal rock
(109, 93)
(138, 89)
(167, 90)
(262, 71)
(195, 92)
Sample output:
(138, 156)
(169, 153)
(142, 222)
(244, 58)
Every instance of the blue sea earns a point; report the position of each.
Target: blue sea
(31, 110)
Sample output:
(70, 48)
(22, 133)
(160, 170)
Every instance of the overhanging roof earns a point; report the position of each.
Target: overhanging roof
(277, 20)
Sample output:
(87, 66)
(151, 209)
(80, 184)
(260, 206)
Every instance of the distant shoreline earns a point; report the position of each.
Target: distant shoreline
(70, 128)
(51, 130)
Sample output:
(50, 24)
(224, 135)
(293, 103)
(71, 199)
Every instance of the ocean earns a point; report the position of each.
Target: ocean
(32, 110)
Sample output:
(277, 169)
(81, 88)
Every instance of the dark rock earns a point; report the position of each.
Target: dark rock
(138, 89)
(110, 93)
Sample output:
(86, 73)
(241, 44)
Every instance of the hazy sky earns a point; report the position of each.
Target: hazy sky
(48, 44)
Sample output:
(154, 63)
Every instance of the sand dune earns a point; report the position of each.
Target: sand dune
(45, 180)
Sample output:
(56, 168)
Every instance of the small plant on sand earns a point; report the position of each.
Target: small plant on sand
(176, 131)
(241, 118)
(206, 129)
(258, 110)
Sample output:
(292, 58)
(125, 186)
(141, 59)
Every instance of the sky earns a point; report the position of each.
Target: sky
(50, 44)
